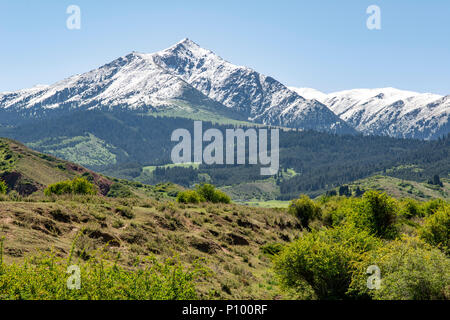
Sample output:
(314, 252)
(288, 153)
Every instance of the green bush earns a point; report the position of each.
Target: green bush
(211, 194)
(377, 213)
(305, 210)
(337, 210)
(75, 186)
(202, 193)
(118, 190)
(82, 186)
(3, 187)
(45, 278)
(432, 206)
(63, 187)
(411, 208)
(436, 229)
(410, 270)
(323, 260)
(189, 196)
(118, 224)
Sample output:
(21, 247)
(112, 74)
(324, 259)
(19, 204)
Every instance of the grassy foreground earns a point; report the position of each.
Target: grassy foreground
(47, 277)
(225, 239)
(125, 248)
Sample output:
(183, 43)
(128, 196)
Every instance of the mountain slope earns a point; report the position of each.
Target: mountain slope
(401, 188)
(188, 81)
(228, 238)
(27, 171)
(183, 80)
(389, 111)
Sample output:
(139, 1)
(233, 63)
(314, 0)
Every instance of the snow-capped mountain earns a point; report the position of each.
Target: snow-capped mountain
(184, 76)
(187, 80)
(388, 111)
(131, 82)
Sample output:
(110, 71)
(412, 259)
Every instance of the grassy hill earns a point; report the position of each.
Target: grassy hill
(122, 226)
(229, 237)
(136, 222)
(26, 171)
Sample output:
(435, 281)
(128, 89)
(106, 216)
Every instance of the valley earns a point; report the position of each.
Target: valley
(123, 145)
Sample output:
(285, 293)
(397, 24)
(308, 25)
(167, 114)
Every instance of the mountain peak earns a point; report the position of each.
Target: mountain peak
(184, 72)
(192, 74)
(185, 43)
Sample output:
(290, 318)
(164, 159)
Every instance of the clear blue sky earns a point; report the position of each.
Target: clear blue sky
(320, 44)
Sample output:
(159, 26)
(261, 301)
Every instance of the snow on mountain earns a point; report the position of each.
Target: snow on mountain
(186, 72)
(189, 78)
(261, 98)
(310, 93)
(129, 80)
(388, 111)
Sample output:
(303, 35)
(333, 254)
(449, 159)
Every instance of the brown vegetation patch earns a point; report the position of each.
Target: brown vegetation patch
(237, 240)
(104, 237)
(205, 245)
(60, 216)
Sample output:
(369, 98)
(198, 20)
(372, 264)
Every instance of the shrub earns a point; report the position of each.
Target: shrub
(376, 212)
(63, 187)
(436, 229)
(336, 210)
(82, 186)
(202, 193)
(118, 190)
(410, 270)
(305, 210)
(3, 187)
(75, 186)
(323, 260)
(189, 196)
(432, 206)
(211, 194)
(118, 224)
(412, 208)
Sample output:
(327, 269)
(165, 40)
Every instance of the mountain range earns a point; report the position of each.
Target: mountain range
(189, 81)
(388, 111)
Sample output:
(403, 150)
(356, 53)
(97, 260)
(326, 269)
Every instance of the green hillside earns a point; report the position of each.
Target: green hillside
(139, 236)
(136, 220)
(26, 171)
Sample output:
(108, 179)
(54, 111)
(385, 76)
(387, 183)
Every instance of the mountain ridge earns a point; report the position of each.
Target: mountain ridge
(389, 111)
(190, 81)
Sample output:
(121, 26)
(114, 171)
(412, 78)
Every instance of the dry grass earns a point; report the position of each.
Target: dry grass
(229, 237)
